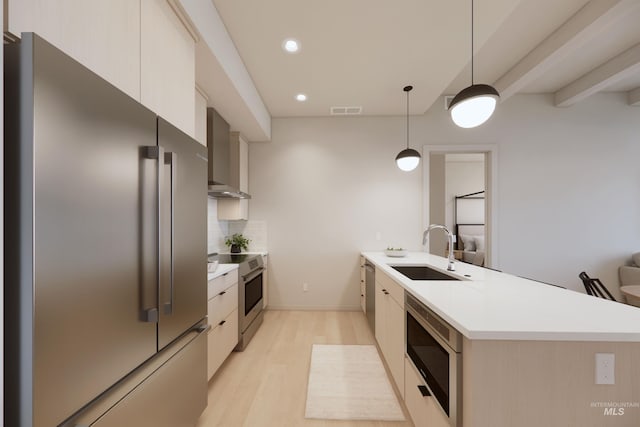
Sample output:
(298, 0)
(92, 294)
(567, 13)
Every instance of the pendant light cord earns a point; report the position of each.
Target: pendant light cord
(472, 42)
(408, 118)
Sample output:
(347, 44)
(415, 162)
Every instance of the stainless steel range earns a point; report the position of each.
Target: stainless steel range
(250, 302)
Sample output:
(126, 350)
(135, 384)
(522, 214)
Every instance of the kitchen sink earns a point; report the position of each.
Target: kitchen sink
(422, 272)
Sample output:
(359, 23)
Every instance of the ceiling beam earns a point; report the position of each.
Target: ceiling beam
(612, 71)
(575, 32)
(633, 97)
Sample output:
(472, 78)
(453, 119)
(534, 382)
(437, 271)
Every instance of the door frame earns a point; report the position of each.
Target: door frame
(491, 179)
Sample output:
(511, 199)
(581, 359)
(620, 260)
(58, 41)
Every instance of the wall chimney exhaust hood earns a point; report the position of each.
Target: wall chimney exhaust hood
(222, 191)
(221, 184)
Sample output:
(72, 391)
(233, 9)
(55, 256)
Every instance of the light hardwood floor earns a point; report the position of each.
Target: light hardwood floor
(266, 385)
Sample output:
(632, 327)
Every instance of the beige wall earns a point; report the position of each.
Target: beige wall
(325, 187)
(568, 193)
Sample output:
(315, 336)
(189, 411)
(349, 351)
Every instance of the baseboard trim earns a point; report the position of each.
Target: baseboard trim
(312, 308)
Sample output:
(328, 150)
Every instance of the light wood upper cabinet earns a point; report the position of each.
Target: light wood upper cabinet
(139, 46)
(102, 35)
(167, 65)
(200, 130)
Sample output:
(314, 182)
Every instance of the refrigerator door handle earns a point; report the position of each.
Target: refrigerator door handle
(156, 153)
(171, 159)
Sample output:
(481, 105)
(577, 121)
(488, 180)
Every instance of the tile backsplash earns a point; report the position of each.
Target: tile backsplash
(217, 231)
(255, 231)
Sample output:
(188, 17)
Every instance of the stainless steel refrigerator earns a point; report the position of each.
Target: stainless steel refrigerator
(105, 246)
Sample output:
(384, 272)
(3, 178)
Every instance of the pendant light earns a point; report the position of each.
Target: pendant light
(473, 105)
(408, 159)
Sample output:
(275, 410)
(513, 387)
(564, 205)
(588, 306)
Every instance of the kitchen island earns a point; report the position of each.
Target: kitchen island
(528, 348)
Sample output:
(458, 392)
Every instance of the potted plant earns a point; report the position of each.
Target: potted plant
(237, 243)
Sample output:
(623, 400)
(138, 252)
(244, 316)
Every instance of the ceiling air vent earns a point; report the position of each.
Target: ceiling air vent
(346, 111)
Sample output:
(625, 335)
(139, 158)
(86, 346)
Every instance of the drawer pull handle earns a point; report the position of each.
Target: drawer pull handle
(222, 293)
(424, 391)
(222, 322)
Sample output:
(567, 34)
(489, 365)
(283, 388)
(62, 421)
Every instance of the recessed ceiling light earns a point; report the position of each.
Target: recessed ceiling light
(291, 45)
(301, 97)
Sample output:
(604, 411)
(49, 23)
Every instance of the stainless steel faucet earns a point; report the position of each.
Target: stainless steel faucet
(425, 236)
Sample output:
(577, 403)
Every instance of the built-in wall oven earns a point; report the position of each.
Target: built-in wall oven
(250, 302)
(435, 348)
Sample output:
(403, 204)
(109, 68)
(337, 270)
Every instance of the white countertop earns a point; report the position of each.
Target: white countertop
(222, 269)
(499, 306)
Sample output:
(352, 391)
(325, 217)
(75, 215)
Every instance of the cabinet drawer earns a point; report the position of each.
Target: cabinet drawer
(221, 341)
(219, 307)
(220, 283)
(396, 291)
(423, 410)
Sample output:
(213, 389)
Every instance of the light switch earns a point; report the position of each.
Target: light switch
(605, 368)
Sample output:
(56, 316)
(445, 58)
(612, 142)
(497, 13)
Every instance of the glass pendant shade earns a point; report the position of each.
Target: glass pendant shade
(474, 105)
(408, 159)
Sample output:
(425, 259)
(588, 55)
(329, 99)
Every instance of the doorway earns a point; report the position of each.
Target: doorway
(472, 214)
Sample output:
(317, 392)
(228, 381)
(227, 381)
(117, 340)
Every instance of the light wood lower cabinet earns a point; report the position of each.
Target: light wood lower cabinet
(363, 285)
(222, 339)
(423, 410)
(390, 326)
(265, 282)
(222, 312)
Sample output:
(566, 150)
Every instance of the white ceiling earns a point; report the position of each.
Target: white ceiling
(363, 52)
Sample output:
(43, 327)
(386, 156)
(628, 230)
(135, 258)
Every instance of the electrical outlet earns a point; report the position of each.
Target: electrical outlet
(378, 236)
(305, 287)
(605, 368)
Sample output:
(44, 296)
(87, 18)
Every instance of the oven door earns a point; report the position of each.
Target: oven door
(251, 298)
(439, 365)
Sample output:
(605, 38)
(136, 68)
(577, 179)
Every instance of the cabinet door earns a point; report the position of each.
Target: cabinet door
(221, 341)
(423, 410)
(363, 287)
(381, 308)
(167, 65)
(219, 307)
(265, 283)
(395, 342)
(104, 36)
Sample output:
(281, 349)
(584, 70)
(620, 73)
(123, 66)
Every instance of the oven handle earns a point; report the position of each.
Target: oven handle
(255, 273)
